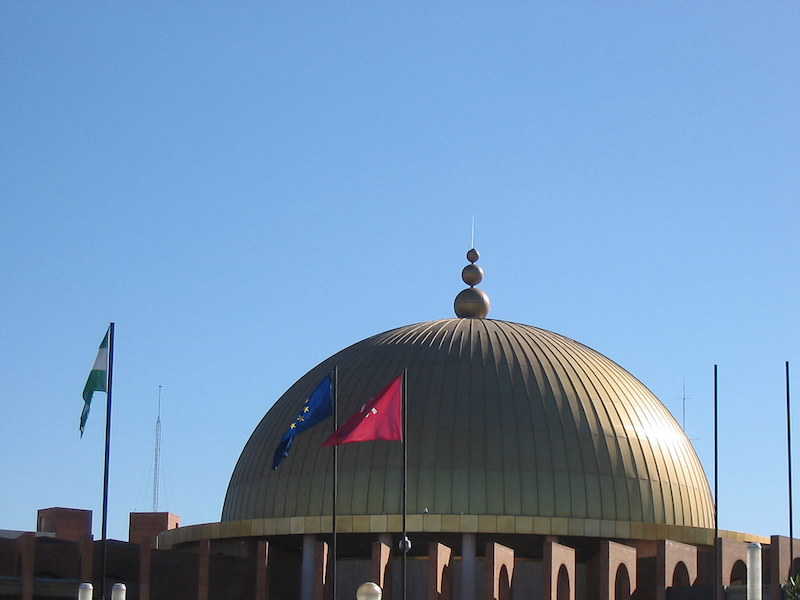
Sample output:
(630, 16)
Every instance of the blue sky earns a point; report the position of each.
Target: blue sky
(246, 188)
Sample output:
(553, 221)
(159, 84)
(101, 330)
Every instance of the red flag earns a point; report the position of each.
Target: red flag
(379, 419)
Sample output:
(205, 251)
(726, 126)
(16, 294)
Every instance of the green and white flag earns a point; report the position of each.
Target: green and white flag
(97, 382)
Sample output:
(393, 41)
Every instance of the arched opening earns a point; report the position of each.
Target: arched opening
(622, 584)
(796, 571)
(680, 576)
(563, 584)
(504, 585)
(739, 573)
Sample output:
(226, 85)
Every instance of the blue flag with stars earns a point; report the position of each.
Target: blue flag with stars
(317, 407)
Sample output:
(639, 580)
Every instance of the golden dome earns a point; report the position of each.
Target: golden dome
(504, 419)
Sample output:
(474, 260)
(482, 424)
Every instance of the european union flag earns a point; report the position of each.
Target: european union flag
(317, 407)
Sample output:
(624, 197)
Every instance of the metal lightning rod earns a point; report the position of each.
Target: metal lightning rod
(157, 454)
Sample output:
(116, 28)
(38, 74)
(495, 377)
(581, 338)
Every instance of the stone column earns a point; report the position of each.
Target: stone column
(203, 569)
(754, 571)
(307, 568)
(468, 571)
(262, 565)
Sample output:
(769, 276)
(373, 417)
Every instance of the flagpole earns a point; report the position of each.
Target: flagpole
(389, 410)
(789, 448)
(335, 478)
(107, 453)
(716, 494)
(405, 544)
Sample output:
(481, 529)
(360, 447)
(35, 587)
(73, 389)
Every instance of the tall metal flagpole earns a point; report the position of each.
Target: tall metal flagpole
(716, 494)
(335, 478)
(108, 448)
(405, 544)
(789, 450)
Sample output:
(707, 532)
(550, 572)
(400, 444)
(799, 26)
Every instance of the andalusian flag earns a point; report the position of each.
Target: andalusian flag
(98, 380)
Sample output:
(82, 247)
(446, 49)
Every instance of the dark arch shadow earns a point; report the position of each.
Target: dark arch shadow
(563, 584)
(622, 584)
(680, 576)
(739, 573)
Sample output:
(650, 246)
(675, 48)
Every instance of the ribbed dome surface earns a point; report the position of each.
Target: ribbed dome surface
(503, 419)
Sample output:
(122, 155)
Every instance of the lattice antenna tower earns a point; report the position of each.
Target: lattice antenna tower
(157, 454)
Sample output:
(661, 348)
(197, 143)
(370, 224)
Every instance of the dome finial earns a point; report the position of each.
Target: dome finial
(472, 303)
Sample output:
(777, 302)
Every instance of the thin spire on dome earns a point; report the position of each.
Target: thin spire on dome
(472, 303)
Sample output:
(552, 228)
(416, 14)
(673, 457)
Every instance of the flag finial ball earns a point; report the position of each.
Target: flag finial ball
(473, 255)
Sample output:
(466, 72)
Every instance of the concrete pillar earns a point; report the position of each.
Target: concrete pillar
(203, 569)
(730, 552)
(26, 550)
(86, 552)
(307, 568)
(468, 570)
(262, 562)
(499, 571)
(381, 567)
(146, 546)
(605, 566)
(781, 552)
(554, 557)
(321, 583)
(439, 575)
(754, 571)
(669, 555)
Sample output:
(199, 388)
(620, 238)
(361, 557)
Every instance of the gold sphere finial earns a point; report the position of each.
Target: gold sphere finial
(472, 303)
(369, 591)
